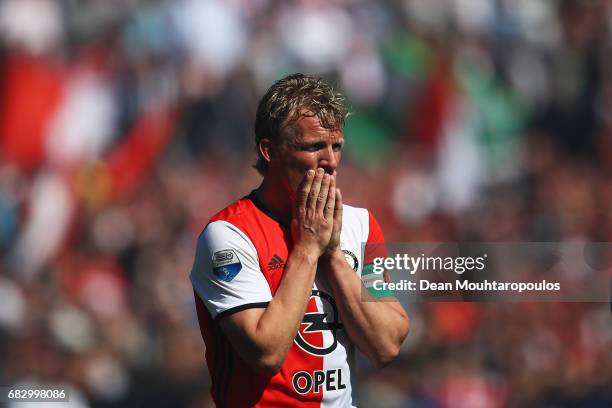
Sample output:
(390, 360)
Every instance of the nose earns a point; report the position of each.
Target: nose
(328, 160)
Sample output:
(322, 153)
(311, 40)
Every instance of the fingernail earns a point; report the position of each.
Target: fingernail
(310, 172)
(320, 170)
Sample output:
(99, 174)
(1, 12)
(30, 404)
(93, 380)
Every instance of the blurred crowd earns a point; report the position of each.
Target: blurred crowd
(124, 125)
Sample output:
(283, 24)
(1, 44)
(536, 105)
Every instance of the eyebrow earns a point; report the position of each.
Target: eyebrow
(315, 142)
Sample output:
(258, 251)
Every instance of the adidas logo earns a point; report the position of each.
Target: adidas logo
(275, 263)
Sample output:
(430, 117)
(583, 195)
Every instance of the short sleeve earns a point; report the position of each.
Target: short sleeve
(375, 248)
(226, 273)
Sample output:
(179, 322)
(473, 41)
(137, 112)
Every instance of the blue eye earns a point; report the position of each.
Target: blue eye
(320, 146)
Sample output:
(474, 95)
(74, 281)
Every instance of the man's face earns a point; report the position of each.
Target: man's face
(307, 146)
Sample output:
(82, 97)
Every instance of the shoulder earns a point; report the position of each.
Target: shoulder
(352, 216)
(235, 213)
(229, 227)
(238, 217)
(361, 222)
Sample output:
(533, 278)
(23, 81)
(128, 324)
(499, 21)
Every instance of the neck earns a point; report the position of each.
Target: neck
(274, 195)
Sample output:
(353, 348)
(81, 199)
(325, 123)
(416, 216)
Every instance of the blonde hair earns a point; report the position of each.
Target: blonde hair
(286, 101)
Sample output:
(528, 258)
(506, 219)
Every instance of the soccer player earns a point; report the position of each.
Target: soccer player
(276, 276)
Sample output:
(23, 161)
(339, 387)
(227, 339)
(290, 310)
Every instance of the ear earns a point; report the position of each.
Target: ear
(266, 149)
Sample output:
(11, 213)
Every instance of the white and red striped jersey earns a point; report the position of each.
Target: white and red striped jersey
(239, 263)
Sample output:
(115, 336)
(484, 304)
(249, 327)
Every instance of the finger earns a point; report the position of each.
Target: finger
(338, 211)
(328, 213)
(303, 191)
(311, 205)
(322, 199)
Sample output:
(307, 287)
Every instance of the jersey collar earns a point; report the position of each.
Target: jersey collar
(284, 221)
